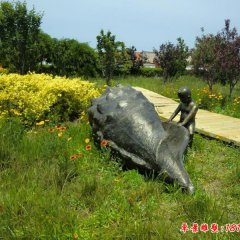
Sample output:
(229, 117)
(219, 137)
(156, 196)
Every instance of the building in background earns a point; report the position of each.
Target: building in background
(148, 59)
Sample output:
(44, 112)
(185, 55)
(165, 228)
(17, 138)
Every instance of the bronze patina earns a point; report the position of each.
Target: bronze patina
(188, 109)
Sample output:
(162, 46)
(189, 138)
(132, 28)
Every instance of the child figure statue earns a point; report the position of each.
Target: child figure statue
(188, 109)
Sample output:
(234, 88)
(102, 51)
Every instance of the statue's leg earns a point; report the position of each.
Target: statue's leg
(191, 129)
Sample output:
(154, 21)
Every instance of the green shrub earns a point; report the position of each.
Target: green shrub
(150, 72)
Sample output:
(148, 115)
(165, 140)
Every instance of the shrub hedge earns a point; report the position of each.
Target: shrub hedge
(150, 72)
(35, 97)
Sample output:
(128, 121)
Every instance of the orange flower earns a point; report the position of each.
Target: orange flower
(72, 157)
(58, 126)
(62, 128)
(78, 155)
(51, 130)
(88, 147)
(104, 143)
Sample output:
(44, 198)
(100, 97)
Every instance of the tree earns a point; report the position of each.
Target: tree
(172, 58)
(71, 58)
(112, 55)
(45, 53)
(123, 62)
(19, 32)
(136, 60)
(228, 55)
(182, 53)
(217, 57)
(203, 58)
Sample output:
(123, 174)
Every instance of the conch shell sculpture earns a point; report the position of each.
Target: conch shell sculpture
(128, 121)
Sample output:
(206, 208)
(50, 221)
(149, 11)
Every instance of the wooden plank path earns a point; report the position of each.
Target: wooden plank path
(210, 124)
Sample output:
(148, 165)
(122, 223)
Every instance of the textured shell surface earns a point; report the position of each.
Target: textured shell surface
(126, 117)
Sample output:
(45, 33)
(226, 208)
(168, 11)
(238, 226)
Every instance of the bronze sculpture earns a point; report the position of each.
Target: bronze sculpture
(128, 121)
(188, 109)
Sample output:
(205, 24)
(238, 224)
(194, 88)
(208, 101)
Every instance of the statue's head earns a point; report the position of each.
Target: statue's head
(184, 93)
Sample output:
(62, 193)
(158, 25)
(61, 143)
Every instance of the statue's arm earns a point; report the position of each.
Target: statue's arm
(178, 109)
(190, 116)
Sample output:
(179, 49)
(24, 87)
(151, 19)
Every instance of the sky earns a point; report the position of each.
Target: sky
(145, 24)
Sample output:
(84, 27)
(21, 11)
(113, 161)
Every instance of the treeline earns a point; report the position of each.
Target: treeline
(25, 47)
(216, 58)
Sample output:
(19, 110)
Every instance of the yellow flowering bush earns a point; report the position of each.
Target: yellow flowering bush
(33, 97)
(3, 70)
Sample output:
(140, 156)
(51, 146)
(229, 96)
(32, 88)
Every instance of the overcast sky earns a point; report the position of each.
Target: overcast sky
(143, 23)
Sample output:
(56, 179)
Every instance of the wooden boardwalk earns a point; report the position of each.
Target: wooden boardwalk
(210, 124)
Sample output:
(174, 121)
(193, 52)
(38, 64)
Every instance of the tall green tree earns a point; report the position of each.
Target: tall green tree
(123, 62)
(71, 58)
(45, 53)
(112, 54)
(182, 52)
(204, 59)
(172, 58)
(19, 32)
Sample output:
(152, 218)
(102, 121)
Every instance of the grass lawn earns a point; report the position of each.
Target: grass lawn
(218, 101)
(46, 192)
(56, 184)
